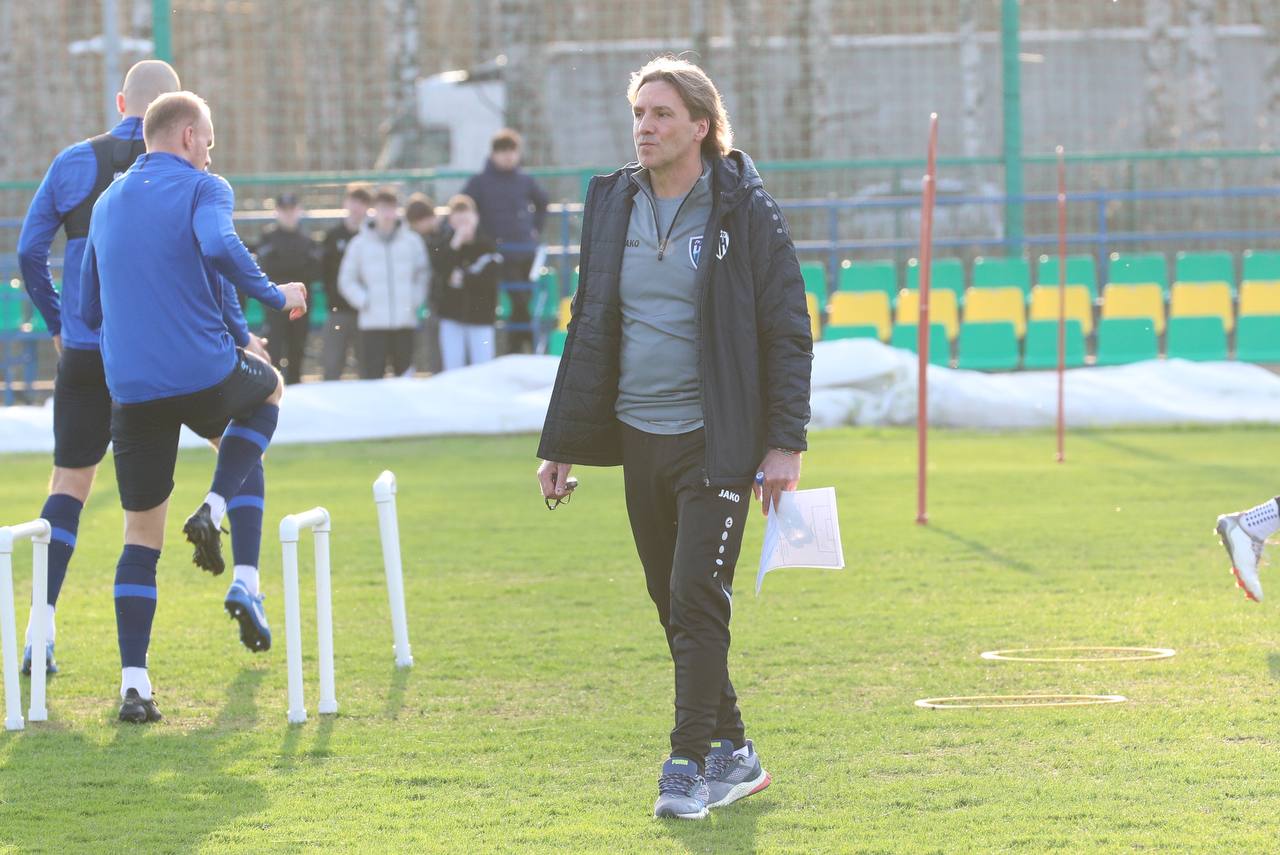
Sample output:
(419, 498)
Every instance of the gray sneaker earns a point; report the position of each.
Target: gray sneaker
(682, 792)
(733, 775)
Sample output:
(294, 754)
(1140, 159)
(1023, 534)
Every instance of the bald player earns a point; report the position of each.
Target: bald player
(81, 403)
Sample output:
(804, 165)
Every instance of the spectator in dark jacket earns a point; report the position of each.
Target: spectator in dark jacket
(420, 214)
(464, 286)
(340, 328)
(286, 254)
(512, 210)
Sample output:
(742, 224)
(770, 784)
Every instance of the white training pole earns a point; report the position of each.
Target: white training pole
(39, 624)
(38, 531)
(384, 496)
(291, 526)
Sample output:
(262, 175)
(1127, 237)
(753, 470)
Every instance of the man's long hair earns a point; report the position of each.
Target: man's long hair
(699, 94)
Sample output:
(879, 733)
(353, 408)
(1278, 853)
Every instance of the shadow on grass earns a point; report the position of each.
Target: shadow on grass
(1273, 665)
(730, 829)
(396, 692)
(981, 549)
(1257, 476)
(129, 787)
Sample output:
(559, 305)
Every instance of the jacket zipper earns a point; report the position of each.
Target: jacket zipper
(657, 226)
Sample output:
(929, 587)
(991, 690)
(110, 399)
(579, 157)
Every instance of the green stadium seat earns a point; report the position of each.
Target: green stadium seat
(1125, 340)
(905, 337)
(547, 296)
(1202, 339)
(1206, 267)
(1139, 268)
(253, 314)
(1081, 270)
(555, 344)
(1258, 338)
(11, 296)
(948, 275)
(815, 281)
(1002, 273)
(319, 306)
(1042, 345)
(832, 333)
(988, 346)
(504, 306)
(870, 276)
(1261, 266)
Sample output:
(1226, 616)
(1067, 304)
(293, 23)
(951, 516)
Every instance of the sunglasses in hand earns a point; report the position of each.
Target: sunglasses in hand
(552, 503)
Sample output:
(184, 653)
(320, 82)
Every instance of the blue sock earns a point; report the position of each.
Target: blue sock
(245, 512)
(135, 603)
(63, 513)
(243, 444)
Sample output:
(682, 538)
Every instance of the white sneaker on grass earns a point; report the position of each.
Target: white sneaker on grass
(1245, 552)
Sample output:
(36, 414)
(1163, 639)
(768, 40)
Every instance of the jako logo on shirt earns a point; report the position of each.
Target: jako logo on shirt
(731, 496)
(695, 248)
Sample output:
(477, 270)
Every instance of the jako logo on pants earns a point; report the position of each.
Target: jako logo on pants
(733, 497)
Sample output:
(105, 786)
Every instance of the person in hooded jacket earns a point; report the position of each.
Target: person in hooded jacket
(384, 277)
(465, 264)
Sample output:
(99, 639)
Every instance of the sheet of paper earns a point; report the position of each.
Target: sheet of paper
(803, 531)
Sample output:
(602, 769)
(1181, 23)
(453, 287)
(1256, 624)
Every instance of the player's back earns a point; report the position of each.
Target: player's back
(163, 332)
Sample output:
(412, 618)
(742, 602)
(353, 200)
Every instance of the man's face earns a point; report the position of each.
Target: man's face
(507, 159)
(357, 209)
(385, 216)
(662, 128)
(288, 217)
(197, 140)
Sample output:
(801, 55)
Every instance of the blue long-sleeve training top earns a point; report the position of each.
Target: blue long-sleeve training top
(66, 184)
(160, 264)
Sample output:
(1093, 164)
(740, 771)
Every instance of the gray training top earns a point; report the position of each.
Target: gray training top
(658, 389)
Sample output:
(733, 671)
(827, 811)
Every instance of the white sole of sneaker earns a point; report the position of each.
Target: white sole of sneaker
(746, 788)
(703, 814)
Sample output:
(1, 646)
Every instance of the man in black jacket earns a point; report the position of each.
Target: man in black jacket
(340, 328)
(687, 361)
(285, 254)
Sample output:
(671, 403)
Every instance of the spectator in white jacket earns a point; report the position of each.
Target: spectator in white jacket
(384, 277)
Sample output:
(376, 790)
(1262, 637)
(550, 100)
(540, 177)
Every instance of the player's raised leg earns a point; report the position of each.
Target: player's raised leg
(1244, 534)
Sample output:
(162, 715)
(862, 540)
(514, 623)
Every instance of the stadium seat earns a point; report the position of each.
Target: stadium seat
(942, 310)
(1201, 339)
(1134, 301)
(1125, 340)
(1002, 273)
(566, 310)
(997, 304)
(1258, 338)
(1042, 345)
(905, 337)
(1081, 270)
(1044, 305)
(988, 346)
(870, 276)
(1139, 268)
(1206, 267)
(1259, 298)
(815, 315)
(11, 296)
(815, 281)
(948, 275)
(858, 309)
(832, 333)
(555, 343)
(254, 316)
(1204, 299)
(319, 306)
(1260, 266)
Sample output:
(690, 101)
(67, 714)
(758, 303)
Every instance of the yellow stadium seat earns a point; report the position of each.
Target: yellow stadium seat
(861, 308)
(943, 309)
(565, 311)
(986, 305)
(1044, 305)
(1134, 301)
(1259, 298)
(815, 315)
(1203, 300)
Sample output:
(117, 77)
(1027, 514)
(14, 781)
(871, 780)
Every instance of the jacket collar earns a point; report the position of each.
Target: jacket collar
(733, 177)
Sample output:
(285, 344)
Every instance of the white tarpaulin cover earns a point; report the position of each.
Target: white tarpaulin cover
(855, 382)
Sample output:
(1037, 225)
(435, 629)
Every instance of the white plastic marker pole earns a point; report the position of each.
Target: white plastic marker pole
(316, 519)
(384, 495)
(38, 531)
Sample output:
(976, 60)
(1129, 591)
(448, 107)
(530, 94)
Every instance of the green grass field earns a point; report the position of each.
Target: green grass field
(537, 714)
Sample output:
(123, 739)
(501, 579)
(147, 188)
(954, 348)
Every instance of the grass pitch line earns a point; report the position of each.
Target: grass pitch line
(1126, 654)
(997, 702)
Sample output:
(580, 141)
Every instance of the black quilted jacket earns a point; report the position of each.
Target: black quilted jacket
(755, 349)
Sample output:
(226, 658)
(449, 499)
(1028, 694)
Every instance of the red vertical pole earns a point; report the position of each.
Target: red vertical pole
(922, 325)
(1062, 302)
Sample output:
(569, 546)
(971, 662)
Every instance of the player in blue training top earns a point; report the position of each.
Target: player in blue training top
(161, 262)
(81, 403)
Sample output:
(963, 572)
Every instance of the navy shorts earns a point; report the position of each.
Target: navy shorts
(81, 410)
(145, 435)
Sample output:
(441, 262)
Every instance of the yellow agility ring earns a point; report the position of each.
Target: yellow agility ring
(1107, 654)
(992, 702)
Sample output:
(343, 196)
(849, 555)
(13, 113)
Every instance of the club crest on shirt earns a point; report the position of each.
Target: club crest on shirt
(695, 248)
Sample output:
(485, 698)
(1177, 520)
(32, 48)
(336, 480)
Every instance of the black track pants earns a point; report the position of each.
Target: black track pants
(688, 536)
